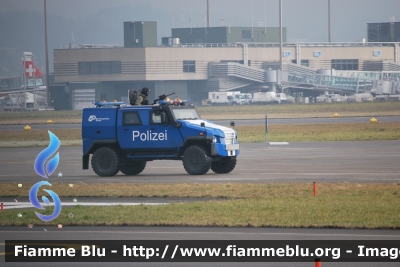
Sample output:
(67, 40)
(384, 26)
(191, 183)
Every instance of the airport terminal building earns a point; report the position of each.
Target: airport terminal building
(195, 61)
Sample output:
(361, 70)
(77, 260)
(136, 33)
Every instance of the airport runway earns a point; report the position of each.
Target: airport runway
(227, 122)
(344, 161)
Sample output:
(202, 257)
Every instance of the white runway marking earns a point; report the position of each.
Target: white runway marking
(22, 205)
(278, 143)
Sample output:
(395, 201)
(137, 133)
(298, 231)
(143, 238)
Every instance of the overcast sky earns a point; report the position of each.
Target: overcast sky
(305, 19)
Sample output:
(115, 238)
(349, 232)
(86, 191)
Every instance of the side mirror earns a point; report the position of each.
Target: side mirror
(202, 124)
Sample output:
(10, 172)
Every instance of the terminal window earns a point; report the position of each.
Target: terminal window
(344, 64)
(189, 66)
(99, 67)
(303, 62)
(246, 34)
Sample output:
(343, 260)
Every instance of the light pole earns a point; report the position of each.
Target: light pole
(47, 58)
(280, 35)
(280, 45)
(329, 21)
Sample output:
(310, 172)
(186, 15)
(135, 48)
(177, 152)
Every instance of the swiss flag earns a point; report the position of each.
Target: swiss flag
(31, 69)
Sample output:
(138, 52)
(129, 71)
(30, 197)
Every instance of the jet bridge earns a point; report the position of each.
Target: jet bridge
(232, 69)
(327, 83)
(298, 76)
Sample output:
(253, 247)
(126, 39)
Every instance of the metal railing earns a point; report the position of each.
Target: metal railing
(369, 75)
(290, 44)
(320, 81)
(237, 70)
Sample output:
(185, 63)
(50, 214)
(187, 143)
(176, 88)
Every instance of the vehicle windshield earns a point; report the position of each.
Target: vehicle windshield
(186, 114)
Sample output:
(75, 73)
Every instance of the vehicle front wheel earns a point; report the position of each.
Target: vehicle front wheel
(196, 161)
(133, 167)
(225, 165)
(105, 161)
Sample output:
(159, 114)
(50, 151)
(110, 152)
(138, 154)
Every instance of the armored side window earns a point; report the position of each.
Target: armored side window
(155, 117)
(131, 118)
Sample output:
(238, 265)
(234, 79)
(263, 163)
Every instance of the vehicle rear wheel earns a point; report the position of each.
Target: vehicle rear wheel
(105, 161)
(133, 167)
(196, 161)
(225, 165)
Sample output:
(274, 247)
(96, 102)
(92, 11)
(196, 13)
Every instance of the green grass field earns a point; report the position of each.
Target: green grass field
(344, 205)
(230, 112)
(301, 110)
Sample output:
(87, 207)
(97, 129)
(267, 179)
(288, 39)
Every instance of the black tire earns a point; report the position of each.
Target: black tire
(105, 161)
(196, 161)
(225, 165)
(133, 167)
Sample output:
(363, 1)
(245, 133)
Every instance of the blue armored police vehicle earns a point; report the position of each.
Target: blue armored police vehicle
(123, 138)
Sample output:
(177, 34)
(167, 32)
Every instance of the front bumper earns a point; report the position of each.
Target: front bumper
(224, 150)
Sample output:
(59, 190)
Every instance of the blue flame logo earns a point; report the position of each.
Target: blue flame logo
(45, 154)
(35, 202)
(51, 166)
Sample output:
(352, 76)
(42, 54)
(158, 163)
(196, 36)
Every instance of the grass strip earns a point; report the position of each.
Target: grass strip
(360, 211)
(225, 191)
(247, 134)
(368, 109)
(317, 110)
(342, 205)
(320, 132)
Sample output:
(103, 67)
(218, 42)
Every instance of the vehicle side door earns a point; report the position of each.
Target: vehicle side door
(163, 137)
(128, 122)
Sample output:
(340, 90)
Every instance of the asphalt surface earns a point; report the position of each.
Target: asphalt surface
(347, 161)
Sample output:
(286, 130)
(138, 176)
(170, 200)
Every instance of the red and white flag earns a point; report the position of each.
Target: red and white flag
(31, 69)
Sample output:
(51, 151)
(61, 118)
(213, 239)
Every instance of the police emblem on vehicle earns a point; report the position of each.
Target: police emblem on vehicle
(94, 118)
